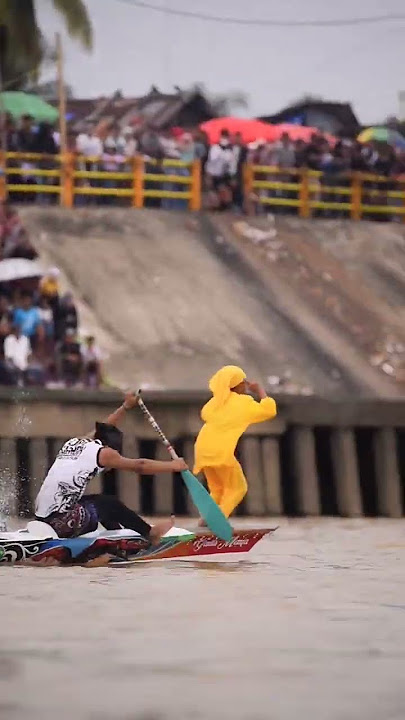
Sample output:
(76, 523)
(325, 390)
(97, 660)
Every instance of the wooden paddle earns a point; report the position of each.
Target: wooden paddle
(203, 501)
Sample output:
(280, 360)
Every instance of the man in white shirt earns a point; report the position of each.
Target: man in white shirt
(17, 352)
(131, 144)
(90, 149)
(221, 162)
(61, 501)
(89, 144)
(219, 169)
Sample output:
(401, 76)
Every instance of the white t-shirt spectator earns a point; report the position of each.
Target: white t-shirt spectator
(221, 161)
(17, 351)
(89, 145)
(131, 144)
(115, 142)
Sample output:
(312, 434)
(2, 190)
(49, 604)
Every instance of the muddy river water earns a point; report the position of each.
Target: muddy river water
(310, 625)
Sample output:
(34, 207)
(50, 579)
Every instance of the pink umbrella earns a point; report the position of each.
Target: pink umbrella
(250, 130)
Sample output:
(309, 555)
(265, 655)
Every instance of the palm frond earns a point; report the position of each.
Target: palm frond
(77, 20)
(22, 51)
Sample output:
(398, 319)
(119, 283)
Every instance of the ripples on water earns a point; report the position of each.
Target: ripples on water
(310, 625)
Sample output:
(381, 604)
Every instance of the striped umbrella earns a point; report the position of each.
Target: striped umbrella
(382, 134)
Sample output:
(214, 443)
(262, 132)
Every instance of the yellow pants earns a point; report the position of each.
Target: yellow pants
(227, 486)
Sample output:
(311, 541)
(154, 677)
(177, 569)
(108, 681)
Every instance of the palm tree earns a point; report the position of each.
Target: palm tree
(23, 48)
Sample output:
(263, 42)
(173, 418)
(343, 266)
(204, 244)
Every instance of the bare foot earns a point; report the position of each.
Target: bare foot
(161, 528)
(100, 561)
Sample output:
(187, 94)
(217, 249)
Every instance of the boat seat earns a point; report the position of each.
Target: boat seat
(41, 530)
(113, 534)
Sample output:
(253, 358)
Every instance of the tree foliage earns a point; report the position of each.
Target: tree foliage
(23, 47)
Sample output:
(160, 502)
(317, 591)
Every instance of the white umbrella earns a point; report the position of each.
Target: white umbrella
(19, 268)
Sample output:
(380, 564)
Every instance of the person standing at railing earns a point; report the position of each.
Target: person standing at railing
(116, 140)
(8, 132)
(300, 154)
(26, 144)
(26, 135)
(90, 149)
(130, 151)
(383, 167)
(44, 143)
(398, 179)
(240, 153)
(335, 164)
(186, 155)
(283, 156)
(131, 143)
(202, 148)
(170, 146)
(313, 160)
(150, 146)
(219, 171)
(112, 162)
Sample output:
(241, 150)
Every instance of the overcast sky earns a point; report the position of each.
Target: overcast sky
(135, 48)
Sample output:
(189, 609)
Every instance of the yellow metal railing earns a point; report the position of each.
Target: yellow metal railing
(71, 176)
(354, 194)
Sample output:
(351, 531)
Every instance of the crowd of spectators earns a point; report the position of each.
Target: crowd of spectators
(14, 240)
(334, 163)
(111, 149)
(39, 326)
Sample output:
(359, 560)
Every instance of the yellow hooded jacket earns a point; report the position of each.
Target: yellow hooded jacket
(226, 417)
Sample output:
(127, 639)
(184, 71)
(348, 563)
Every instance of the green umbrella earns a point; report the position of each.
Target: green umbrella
(20, 103)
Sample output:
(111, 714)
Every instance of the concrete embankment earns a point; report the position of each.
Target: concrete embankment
(172, 296)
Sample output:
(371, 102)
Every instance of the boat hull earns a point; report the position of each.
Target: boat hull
(123, 550)
(201, 545)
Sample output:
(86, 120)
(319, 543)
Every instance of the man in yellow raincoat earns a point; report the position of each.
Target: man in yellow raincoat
(226, 417)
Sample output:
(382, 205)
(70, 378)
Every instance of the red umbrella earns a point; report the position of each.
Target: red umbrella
(250, 130)
(299, 132)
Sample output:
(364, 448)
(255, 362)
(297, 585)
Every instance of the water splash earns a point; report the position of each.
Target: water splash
(23, 422)
(8, 477)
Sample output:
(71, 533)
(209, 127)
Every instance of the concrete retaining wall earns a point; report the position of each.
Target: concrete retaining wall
(317, 457)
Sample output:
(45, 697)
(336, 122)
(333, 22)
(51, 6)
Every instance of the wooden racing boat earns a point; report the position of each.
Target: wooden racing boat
(38, 544)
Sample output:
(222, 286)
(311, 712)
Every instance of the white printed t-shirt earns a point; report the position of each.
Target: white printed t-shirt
(75, 465)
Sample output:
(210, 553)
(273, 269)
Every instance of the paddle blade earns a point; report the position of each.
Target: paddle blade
(207, 507)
